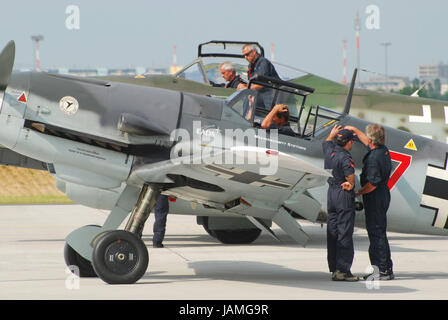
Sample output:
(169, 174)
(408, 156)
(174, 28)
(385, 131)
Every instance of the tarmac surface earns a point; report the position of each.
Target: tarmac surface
(194, 266)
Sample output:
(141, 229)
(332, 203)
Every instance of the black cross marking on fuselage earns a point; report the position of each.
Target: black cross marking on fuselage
(247, 177)
(435, 193)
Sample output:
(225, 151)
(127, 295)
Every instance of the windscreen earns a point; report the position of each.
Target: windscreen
(225, 48)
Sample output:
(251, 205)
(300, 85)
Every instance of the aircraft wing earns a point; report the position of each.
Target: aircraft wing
(243, 188)
(11, 158)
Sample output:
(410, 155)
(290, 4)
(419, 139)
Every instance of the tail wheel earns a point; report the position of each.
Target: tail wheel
(73, 258)
(120, 257)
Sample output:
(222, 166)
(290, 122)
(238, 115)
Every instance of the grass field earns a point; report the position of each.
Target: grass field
(20, 185)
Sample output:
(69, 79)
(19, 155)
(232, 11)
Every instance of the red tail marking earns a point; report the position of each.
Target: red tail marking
(405, 162)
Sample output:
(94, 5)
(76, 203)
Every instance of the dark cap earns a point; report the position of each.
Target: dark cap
(345, 135)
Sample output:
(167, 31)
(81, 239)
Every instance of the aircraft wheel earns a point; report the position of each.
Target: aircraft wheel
(73, 258)
(120, 257)
(207, 229)
(241, 236)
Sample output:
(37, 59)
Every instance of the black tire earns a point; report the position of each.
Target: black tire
(241, 236)
(120, 257)
(73, 258)
(206, 228)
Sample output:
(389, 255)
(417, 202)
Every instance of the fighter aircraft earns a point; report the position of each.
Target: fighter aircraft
(118, 146)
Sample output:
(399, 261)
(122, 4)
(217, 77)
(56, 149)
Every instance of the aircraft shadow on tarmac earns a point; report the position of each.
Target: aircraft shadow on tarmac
(271, 274)
(317, 240)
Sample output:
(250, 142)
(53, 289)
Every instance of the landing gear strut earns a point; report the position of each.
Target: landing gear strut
(120, 256)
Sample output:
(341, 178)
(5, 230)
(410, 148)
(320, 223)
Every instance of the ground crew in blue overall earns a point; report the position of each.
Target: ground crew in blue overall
(377, 166)
(340, 203)
(160, 212)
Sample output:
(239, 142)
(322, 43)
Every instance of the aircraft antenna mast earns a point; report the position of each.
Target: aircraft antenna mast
(358, 53)
(37, 39)
(344, 42)
(272, 51)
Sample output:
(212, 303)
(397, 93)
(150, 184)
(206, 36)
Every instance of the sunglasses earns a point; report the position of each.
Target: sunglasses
(246, 54)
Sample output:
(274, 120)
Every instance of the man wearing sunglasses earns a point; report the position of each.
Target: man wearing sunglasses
(261, 66)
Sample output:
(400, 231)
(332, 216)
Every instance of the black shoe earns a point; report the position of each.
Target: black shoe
(387, 275)
(157, 245)
(344, 276)
(371, 276)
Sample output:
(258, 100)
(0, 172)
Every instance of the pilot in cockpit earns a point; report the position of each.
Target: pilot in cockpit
(229, 74)
(278, 118)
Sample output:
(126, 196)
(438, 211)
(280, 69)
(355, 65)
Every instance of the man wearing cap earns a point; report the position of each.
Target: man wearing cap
(377, 166)
(340, 203)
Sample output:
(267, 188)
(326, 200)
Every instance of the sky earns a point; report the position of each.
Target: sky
(307, 34)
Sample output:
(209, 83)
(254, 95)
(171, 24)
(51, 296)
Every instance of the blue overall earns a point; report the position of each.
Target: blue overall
(377, 167)
(264, 67)
(160, 211)
(340, 207)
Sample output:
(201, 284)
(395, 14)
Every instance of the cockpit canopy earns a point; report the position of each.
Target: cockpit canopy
(306, 122)
(205, 69)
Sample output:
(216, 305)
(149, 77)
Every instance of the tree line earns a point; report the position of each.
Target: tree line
(429, 89)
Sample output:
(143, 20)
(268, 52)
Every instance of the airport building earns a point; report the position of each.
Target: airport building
(385, 84)
(431, 72)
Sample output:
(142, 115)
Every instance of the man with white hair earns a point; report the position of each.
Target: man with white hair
(228, 73)
(377, 166)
